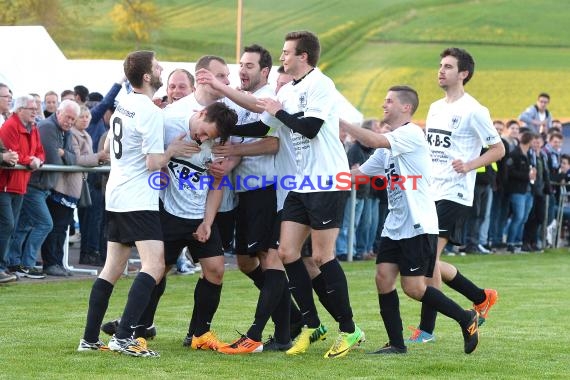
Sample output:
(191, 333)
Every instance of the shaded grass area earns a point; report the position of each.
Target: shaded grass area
(41, 324)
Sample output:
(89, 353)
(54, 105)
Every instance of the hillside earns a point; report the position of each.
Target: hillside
(520, 48)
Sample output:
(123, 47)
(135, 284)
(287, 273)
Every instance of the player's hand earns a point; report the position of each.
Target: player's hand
(269, 105)
(204, 76)
(180, 147)
(460, 167)
(225, 150)
(217, 169)
(202, 233)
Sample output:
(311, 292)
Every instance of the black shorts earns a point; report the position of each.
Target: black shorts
(276, 231)
(255, 219)
(132, 226)
(451, 216)
(321, 210)
(178, 234)
(415, 256)
(226, 222)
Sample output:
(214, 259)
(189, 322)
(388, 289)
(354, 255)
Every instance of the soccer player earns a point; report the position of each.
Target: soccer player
(256, 213)
(408, 240)
(457, 127)
(136, 141)
(189, 208)
(306, 107)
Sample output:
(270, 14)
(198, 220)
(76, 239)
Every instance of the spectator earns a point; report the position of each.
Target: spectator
(511, 134)
(500, 204)
(520, 175)
(357, 154)
(51, 101)
(80, 94)
(67, 94)
(5, 102)
(481, 197)
(35, 221)
(552, 151)
(540, 189)
(537, 117)
(71, 182)
(22, 144)
(40, 113)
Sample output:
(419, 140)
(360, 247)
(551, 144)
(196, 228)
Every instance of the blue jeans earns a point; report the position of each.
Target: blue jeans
(52, 248)
(10, 205)
(33, 226)
(342, 238)
(484, 228)
(91, 221)
(499, 215)
(366, 231)
(521, 204)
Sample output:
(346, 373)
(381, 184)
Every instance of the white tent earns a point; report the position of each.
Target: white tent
(36, 64)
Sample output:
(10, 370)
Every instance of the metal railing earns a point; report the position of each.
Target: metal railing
(67, 169)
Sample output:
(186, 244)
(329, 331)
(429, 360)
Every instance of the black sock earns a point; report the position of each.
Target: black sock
(98, 302)
(281, 316)
(390, 313)
(427, 318)
(320, 287)
(207, 298)
(257, 277)
(137, 301)
(148, 315)
(337, 292)
(192, 325)
(441, 303)
(269, 298)
(464, 286)
(300, 287)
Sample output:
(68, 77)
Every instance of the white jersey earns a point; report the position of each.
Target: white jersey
(407, 167)
(317, 160)
(137, 129)
(284, 164)
(255, 166)
(457, 130)
(185, 196)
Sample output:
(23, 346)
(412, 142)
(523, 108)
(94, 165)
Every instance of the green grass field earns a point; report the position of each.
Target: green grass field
(520, 48)
(524, 337)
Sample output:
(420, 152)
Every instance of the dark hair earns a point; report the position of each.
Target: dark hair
(264, 55)
(307, 42)
(64, 93)
(556, 135)
(543, 95)
(95, 97)
(136, 65)
(465, 61)
(527, 137)
(407, 95)
(511, 122)
(82, 92)
(188, 74)
(204, 61)
(224, 117)
(566, 157)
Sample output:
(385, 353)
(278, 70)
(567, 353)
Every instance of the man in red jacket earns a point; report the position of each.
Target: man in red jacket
(20, 135)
